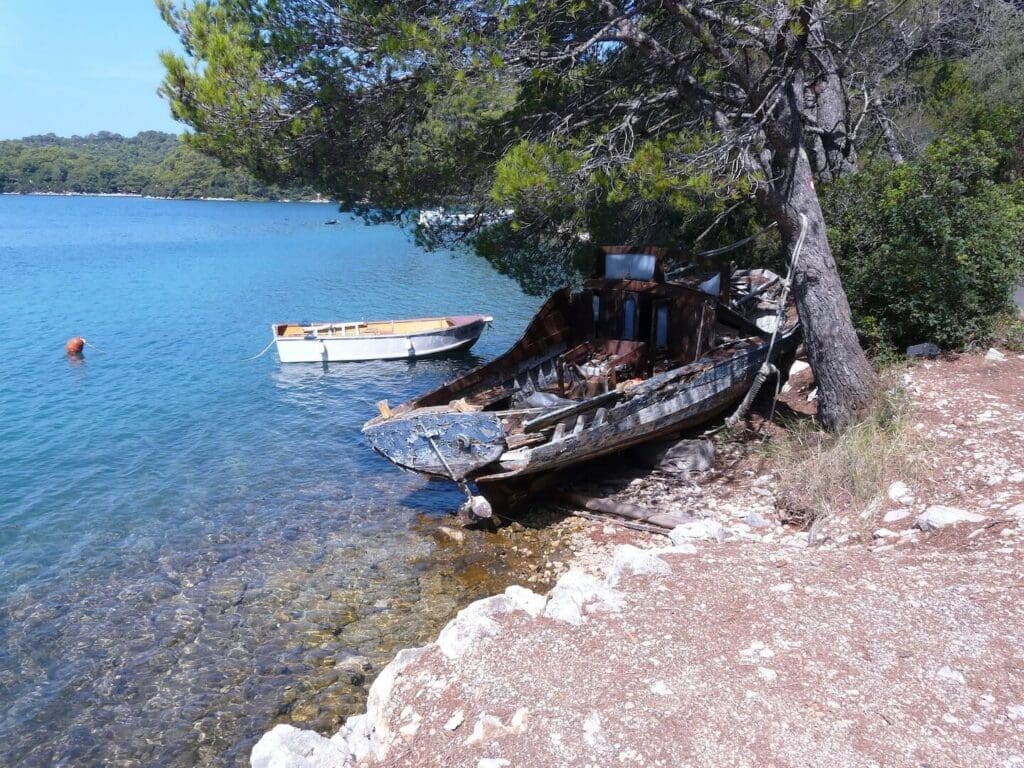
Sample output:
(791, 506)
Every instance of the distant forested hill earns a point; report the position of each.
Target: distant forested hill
(151, 163)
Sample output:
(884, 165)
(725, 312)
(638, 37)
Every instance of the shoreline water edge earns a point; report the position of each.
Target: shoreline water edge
(727, 618)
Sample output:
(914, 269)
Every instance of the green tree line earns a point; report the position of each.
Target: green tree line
(882, 136)
(151, 163)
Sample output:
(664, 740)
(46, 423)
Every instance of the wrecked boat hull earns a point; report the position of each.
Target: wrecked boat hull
(631, 357)
(712, 393)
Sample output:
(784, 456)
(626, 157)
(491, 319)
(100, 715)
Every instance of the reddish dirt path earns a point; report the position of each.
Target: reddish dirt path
(749, 648)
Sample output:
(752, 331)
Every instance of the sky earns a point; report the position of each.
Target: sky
(77, 67)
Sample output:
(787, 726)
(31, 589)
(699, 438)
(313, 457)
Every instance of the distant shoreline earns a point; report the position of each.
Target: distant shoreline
(159, 197)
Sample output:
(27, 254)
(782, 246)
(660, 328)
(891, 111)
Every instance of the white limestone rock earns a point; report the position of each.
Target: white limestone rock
(577, 591)
(458, 718)
(895, 515)
(697, 529)
(472, 624)
(754, 520)
(373, 733)
(489, 728)
(995, 356)
(659, 688)
(355, 736)
(1016, 512)
(682, 549)
(630, 560)
(526, 600)
(592, 729)
(900, 493)
(950, 675)
(288, 747)
(937, 516)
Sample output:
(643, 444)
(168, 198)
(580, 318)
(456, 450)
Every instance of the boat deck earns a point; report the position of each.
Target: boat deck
(382, 328)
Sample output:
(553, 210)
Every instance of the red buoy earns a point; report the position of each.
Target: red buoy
(75, 346)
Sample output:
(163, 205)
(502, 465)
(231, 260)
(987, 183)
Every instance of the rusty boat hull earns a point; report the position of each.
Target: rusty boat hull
(629, 359)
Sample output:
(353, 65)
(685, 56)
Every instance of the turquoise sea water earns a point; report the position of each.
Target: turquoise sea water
(182, 533)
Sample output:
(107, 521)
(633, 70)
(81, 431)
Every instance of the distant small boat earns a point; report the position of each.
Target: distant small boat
(380, 340)
(331, 221)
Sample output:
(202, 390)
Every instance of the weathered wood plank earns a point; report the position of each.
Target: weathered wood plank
(560, 414)
(667, 520)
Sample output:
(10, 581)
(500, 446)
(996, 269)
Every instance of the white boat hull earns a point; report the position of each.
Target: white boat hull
(336, 348)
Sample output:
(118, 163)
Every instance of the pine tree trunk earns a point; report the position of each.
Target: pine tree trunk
(847, 384)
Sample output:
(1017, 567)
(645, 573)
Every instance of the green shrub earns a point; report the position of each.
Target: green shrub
(929, 250)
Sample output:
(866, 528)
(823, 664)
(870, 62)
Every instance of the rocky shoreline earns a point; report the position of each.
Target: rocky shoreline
(895, 640)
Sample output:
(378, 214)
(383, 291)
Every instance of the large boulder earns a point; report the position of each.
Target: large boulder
(937, 516)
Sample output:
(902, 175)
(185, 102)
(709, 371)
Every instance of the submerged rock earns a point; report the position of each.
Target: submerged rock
(444, 533)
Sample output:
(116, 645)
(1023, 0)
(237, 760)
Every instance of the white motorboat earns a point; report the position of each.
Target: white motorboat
(379, 340)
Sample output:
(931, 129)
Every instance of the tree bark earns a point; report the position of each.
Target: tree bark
(888, 135)
(847, 384)
(833, 153)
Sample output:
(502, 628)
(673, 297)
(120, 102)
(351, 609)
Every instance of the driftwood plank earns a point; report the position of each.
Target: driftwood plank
(667, 520)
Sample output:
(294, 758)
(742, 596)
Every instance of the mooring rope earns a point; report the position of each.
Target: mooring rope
(261, 354)
(461, 482)
(767, 367)
(93, 346)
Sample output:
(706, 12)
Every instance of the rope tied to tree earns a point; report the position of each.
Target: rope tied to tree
(767, 367)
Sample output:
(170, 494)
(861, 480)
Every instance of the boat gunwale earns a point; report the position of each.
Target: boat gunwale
(467, 320)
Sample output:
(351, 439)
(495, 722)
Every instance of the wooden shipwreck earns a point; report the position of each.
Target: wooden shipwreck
(631, 357)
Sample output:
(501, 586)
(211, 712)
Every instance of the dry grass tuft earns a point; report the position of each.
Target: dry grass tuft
(847, 474)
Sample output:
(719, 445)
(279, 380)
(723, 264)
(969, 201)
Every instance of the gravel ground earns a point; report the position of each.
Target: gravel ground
(741, 645)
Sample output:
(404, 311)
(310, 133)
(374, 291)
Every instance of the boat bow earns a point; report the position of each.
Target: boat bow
(450, 445)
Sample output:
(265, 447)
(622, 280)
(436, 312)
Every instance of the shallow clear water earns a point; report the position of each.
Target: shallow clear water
(189, 542)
